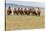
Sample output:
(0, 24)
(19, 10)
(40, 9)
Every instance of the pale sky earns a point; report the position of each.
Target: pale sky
(26, 3)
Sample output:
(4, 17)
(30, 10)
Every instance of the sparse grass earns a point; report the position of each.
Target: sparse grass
(24, 22)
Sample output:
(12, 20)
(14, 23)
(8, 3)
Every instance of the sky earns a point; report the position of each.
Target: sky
(26, 3)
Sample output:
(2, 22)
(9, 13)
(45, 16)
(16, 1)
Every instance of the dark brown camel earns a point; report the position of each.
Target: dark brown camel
(28, 12)
(15, 11)
(25, 11)
(21, 11)
(9, 11)
(33, 11)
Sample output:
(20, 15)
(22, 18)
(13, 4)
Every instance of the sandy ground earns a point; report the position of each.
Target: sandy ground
(24, 22)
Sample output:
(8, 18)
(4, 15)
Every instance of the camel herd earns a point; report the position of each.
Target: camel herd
(24, 12)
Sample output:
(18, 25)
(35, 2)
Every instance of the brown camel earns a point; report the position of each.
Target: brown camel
(15, 11)
(9, 10)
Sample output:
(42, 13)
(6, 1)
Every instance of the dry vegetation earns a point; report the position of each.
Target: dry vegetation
(24, 22)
